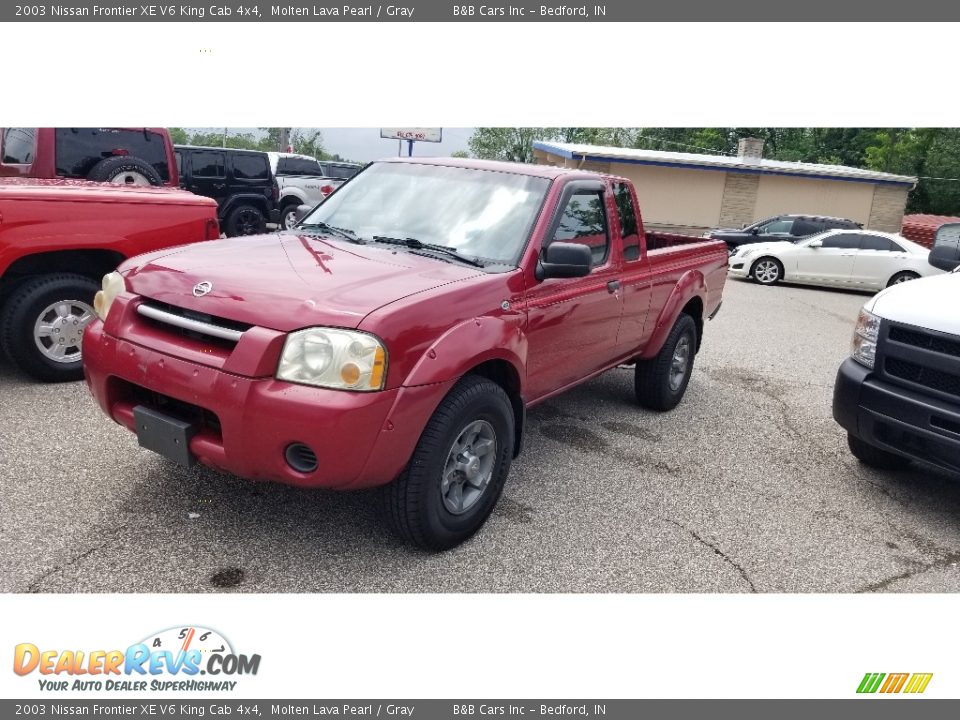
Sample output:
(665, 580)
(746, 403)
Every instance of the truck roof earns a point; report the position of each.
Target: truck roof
(550, 172)
(67, 189)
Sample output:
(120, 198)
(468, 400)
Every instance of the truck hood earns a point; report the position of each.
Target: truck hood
(288, 281)
(929, 303)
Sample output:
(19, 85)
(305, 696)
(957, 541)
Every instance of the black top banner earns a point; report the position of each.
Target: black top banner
(731, 12)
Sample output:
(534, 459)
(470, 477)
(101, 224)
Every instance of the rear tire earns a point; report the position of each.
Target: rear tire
(245, 220)
(660, 383)
(42, 322)
(767, 271)
(875, 457)
(902, 277)
(125, 170)
(468, 443)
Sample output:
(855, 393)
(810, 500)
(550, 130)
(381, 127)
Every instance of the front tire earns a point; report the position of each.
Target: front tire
(41, 326)
(660, 383)
(245, 220)
(458, 468)
(875, 457)
(767, 271)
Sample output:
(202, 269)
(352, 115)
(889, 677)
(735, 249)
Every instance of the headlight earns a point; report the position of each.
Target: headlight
(331, 358)
(865, 338)
(112, 285)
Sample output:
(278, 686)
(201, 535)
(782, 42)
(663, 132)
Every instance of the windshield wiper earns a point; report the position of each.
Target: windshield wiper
(415, 244)
(342, 232)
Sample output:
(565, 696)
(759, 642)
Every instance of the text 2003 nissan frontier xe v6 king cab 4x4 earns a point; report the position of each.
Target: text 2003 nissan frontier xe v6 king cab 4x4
(398, 334)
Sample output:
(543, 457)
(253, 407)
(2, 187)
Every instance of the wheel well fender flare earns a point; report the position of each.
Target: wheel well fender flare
(691, 288)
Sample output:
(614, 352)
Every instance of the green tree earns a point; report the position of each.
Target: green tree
(513, 144)
(460, 154)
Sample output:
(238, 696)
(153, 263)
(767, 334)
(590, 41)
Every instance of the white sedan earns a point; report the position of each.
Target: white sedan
(863, 259)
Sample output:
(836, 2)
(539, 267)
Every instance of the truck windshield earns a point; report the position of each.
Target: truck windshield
(482, 213)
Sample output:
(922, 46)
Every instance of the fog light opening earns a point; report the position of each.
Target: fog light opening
(301, 458)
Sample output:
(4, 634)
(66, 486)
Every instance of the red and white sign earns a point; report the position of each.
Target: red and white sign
(418, 134)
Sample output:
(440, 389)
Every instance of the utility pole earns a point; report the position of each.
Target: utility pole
(225, 136)
(284, 139)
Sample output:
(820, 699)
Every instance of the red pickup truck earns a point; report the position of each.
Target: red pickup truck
(398, 334)
(58, 238)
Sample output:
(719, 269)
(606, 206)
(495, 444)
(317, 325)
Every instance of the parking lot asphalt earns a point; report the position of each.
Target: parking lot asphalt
(746, 487)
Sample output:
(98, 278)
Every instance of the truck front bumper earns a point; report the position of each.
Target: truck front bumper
(896, 419)
(245, 425)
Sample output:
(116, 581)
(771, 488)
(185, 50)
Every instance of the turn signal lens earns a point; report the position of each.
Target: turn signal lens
(112, 285)
(865, 337)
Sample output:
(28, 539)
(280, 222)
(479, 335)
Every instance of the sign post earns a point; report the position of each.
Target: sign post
(412, 135)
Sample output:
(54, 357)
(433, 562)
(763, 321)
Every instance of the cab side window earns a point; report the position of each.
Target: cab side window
(629, 227)
(584, 221)
(18, 146)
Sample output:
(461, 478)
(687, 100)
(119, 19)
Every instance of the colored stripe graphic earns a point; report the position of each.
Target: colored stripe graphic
(918, 683)
(894, 683)
(870, 682)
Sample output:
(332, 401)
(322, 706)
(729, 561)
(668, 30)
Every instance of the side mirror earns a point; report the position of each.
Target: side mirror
(755, 231)
(301, 212)
(815, 243)
(564, 260)
(945, 254)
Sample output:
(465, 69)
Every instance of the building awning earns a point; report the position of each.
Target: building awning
(724, 163)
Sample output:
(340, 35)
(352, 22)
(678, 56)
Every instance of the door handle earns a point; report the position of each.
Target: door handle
(613, 286)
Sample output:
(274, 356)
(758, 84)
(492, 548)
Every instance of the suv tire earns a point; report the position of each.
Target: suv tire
(660, 382)
(245, 220)
(63, 305)
(463, 456)
(125, 170)
(875, 457)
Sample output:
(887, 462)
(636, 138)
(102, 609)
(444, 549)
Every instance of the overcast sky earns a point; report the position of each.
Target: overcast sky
(365, 144)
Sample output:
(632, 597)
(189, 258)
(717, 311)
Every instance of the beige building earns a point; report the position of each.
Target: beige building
(689, 192)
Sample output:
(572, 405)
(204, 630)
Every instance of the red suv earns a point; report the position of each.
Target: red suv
(126, 156)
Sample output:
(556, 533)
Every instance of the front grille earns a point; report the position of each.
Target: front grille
(924, 340)
(191, 324)
(933, 379)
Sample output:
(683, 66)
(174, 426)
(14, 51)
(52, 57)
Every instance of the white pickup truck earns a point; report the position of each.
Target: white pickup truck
(304, 180)
(898, 395)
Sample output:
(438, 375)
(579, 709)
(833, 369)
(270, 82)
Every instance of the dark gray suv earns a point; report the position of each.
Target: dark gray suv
(781, 227)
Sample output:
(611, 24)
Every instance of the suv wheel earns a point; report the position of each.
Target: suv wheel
(42, 325)
(245, 220)
(660, 383)
(458, 469)
(875, 457)
(125, 170)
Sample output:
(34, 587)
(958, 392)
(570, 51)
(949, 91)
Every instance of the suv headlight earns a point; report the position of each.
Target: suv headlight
(865, 338)
(113, 284)
(333, 358)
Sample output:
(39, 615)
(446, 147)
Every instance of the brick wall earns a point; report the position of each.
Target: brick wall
(739, 199)
(886, 213)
